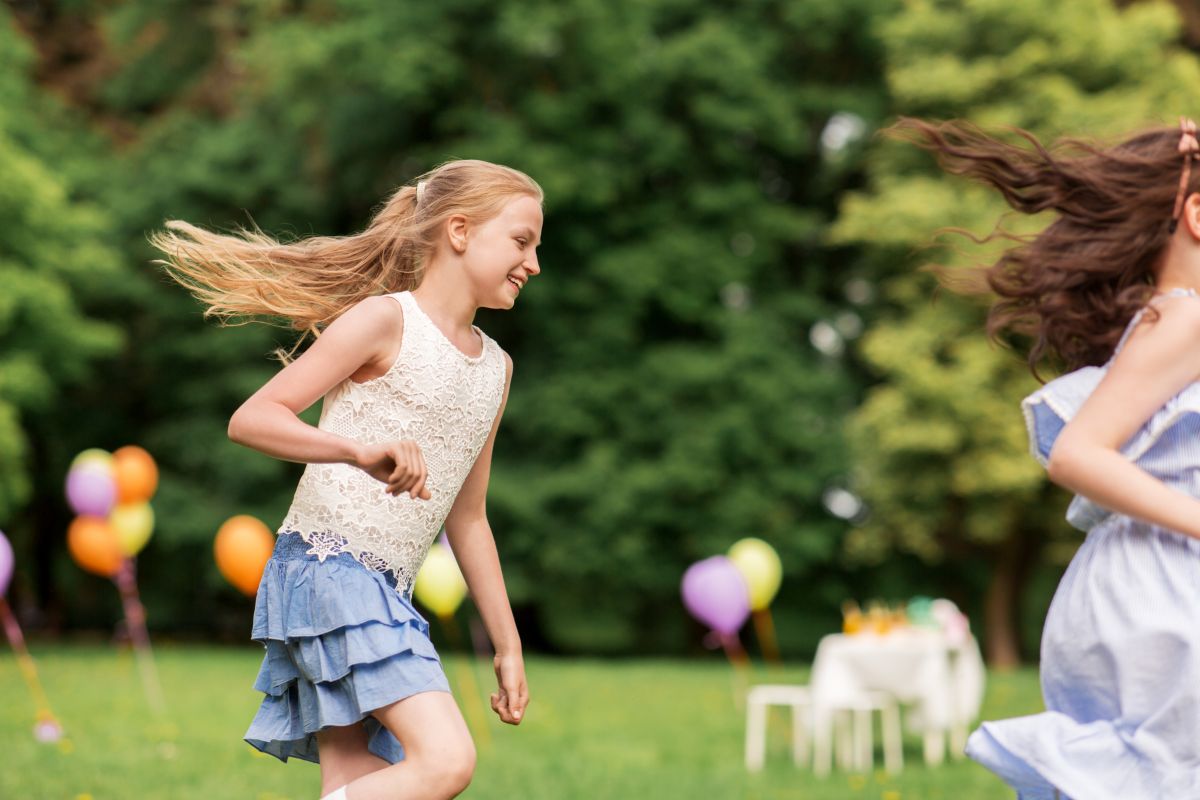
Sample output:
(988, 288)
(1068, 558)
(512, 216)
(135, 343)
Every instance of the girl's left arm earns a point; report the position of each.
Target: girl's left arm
(474, 548)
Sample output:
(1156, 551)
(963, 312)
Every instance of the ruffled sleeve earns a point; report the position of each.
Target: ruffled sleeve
(1050, 408)
(1165, 446)
(1047, 411)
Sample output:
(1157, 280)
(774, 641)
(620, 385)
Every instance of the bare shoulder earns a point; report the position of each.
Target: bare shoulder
(376, 315)
(1162, 354)
(374, 327)
(1160, 359)
(1172, 325)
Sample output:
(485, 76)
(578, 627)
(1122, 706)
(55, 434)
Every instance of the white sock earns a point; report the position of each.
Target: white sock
(339, 794)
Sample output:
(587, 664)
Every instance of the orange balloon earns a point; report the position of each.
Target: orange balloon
(136, 474)
(94, 545)
(242, 547)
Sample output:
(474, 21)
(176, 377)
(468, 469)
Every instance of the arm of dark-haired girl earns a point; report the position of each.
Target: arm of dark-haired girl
(474, 548)
(1158, 361)
(362, 341)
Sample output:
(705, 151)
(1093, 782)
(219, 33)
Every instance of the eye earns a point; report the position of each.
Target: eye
(522, 242)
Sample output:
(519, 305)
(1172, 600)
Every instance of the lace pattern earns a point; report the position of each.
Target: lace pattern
(435, 395)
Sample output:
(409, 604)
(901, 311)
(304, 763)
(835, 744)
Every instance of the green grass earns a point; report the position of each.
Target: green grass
(595, 729)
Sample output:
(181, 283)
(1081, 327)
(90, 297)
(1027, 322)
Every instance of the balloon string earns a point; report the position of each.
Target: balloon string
(25, 661)
(466, 682)
(740, 661)
(764, 629)
(135, 620)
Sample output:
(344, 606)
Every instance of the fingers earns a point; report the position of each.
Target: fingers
(418, 488)
(401, 476)
(517, 697)
(505, 708)
(511, 699)
(517, 702)
(410, 473)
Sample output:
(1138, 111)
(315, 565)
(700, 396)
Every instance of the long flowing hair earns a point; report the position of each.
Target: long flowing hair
(248, 276)
(1073, 287)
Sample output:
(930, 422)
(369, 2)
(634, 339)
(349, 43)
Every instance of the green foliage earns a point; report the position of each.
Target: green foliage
(666, 399)
(54, 253)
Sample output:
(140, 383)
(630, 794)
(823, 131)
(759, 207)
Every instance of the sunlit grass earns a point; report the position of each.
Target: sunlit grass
(595, 729)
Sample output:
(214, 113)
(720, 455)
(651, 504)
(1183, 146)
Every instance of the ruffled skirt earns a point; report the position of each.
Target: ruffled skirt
(1120, 675)
(340, 642)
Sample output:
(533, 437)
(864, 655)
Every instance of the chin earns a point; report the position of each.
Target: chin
(501, 303)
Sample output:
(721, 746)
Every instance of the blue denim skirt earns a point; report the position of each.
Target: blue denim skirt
(340, 642)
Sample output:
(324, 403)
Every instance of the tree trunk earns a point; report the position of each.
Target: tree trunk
(1002, 602)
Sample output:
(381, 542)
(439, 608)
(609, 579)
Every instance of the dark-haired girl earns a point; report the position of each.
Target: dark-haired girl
(1109, 291)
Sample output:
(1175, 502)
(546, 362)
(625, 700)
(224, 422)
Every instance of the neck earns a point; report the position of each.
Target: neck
(444, 298)
(1180, 266)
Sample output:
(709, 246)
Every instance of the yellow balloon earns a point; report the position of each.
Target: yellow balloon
(440, 586)
(133, 523)
(93, 455)
(759, 566)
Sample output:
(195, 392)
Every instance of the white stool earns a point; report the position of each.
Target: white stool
(757, 701)
(853, 724)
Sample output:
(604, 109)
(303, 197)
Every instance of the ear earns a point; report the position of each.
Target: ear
(1191, 215)
(456, 232)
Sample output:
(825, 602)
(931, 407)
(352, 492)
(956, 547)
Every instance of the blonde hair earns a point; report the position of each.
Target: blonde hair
(248, 276)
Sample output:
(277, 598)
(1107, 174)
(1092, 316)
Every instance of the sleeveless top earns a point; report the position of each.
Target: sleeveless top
(1167, 445)
(434, 395)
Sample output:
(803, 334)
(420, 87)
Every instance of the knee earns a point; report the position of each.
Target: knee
(454, 768)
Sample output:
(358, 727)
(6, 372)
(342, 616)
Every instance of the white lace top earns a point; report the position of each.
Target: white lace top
(435, 395)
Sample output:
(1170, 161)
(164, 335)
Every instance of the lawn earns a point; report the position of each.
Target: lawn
(655, 729)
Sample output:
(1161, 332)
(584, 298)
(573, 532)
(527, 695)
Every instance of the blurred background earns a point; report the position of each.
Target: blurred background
(732, 335)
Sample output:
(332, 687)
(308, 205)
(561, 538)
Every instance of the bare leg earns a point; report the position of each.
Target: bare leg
(344, 756)
(439, 756)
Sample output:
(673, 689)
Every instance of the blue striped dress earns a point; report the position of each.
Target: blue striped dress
(1120, 660)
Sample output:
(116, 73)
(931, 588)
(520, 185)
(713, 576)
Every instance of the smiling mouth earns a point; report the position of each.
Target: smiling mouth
(515, 283)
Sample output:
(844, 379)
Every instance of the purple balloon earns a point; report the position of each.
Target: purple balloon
(91, 490)
(715, 593)
(6, 563)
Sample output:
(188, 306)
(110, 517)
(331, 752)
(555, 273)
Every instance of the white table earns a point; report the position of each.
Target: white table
(941, 682)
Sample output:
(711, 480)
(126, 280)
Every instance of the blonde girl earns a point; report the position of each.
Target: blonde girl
(412, 396)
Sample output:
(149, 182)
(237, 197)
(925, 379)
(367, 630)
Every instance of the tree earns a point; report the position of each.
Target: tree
(56, 253)
(940, 447)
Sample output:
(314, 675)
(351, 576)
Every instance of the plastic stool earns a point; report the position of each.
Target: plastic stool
(757, 701)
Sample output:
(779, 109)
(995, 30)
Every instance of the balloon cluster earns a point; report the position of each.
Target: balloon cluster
(242, 548)
(722, 591)
(111, 494)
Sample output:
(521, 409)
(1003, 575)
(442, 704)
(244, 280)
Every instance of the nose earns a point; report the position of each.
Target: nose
(531, 264)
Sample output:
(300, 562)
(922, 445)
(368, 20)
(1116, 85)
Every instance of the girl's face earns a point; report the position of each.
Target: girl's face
(501, 254)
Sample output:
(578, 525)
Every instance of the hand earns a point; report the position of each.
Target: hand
(513, 696)
(398, 464)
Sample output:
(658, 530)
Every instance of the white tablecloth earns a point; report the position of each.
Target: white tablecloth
(942, 683)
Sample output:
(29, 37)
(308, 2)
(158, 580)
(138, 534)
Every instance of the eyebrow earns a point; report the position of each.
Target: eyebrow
(529, 234)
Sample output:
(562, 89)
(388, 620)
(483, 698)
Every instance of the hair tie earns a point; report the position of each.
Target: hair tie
(421, 188)
(1189, 146)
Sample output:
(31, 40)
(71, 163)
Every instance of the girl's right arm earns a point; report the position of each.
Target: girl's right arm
(1161, 357)
(364, 339)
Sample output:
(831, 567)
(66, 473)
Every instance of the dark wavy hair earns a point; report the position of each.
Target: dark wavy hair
(1073, 287)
